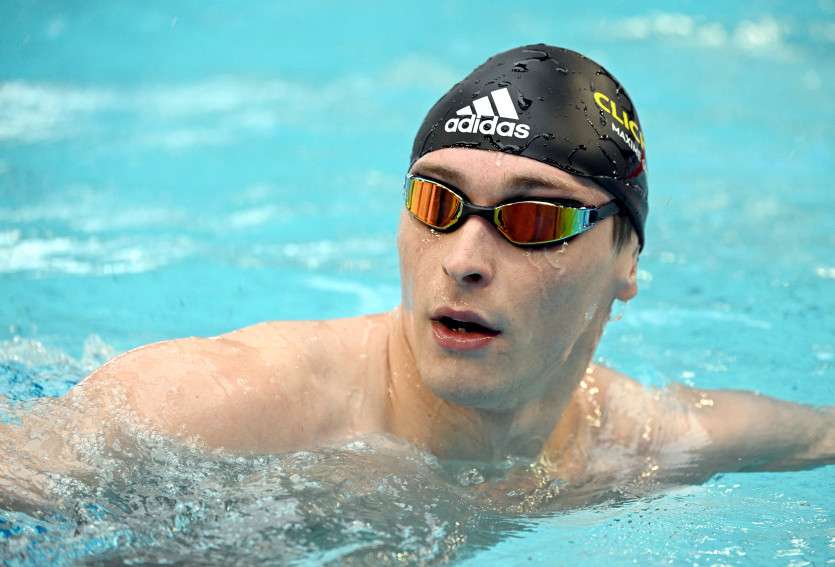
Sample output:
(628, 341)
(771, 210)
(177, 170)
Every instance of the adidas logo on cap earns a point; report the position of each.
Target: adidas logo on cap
(485, 120)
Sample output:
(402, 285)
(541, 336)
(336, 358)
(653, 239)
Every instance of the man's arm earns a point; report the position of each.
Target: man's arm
(696, 433)
(751, 432)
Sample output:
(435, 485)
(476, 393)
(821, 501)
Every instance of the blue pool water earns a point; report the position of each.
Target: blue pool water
(181, 168)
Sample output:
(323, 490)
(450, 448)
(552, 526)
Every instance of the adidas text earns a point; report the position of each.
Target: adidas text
(487, 126)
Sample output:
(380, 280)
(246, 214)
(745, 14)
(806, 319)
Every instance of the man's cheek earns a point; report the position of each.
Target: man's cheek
(418, 287)
(407, 291)
(407, 281)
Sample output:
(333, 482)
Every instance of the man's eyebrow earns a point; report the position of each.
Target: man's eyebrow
(525, 182)
(441, 172)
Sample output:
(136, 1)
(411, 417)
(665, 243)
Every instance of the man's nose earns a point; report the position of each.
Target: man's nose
(468, 259)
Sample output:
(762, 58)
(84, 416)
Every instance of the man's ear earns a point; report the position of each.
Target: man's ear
(627, 272)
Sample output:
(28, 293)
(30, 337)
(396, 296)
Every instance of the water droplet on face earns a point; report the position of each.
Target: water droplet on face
(524, 103)
(534, 260)
(554, 256)
(520, 67)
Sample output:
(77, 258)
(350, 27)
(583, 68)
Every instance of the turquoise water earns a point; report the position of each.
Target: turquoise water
(182, 168)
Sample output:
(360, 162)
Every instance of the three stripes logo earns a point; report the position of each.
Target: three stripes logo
(485, 119)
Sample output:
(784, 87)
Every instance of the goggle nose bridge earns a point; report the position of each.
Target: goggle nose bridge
(490, 214)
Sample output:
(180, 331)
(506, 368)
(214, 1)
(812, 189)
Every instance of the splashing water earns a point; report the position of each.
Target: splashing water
(374, 500)
(131, 495)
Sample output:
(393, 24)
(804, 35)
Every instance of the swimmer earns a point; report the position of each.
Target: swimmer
(525, 207)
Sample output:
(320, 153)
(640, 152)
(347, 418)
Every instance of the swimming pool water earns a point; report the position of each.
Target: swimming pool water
(174, 169)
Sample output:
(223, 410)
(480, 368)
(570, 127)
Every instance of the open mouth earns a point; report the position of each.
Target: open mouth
(462, 330)
(466, 327)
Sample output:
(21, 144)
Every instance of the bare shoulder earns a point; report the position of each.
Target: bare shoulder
(319, 340)
(614, 392)
(176, 385)
(271, 386)
(642, 418)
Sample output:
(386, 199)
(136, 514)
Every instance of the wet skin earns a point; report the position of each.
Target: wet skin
(550, 305)
(531, 390)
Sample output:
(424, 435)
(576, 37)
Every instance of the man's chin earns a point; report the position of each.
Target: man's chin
(475, 390)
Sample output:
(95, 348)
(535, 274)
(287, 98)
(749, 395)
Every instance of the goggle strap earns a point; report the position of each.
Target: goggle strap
(609, 209)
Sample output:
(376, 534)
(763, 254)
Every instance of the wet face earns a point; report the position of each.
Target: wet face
(492, 325)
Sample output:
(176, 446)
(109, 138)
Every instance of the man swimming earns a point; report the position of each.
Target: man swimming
(526, 200)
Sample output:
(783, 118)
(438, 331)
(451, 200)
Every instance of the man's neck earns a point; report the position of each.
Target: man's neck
(458, 432)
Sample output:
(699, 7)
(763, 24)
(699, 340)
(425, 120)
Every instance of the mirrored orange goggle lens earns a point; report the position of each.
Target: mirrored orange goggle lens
(534, 223)
(432, 204)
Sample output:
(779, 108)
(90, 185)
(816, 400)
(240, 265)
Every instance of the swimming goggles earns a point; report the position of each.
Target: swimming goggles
(522, 221)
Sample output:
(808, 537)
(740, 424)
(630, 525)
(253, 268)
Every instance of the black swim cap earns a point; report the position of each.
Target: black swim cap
(552, 105)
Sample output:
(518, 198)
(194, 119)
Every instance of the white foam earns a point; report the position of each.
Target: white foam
(255, 216)
(825, 272)
(677, 317)
(659, 24)
(185, 138)
(130, 218)
(9, 237)
(32, 112)
(31, 352)
(43, 112)
(219, 95)
(711, 35)
(92, 210)
(326, 252)
(370, 299)
(758, 35)
(90, 256)
(766, 36)
(674, 25)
